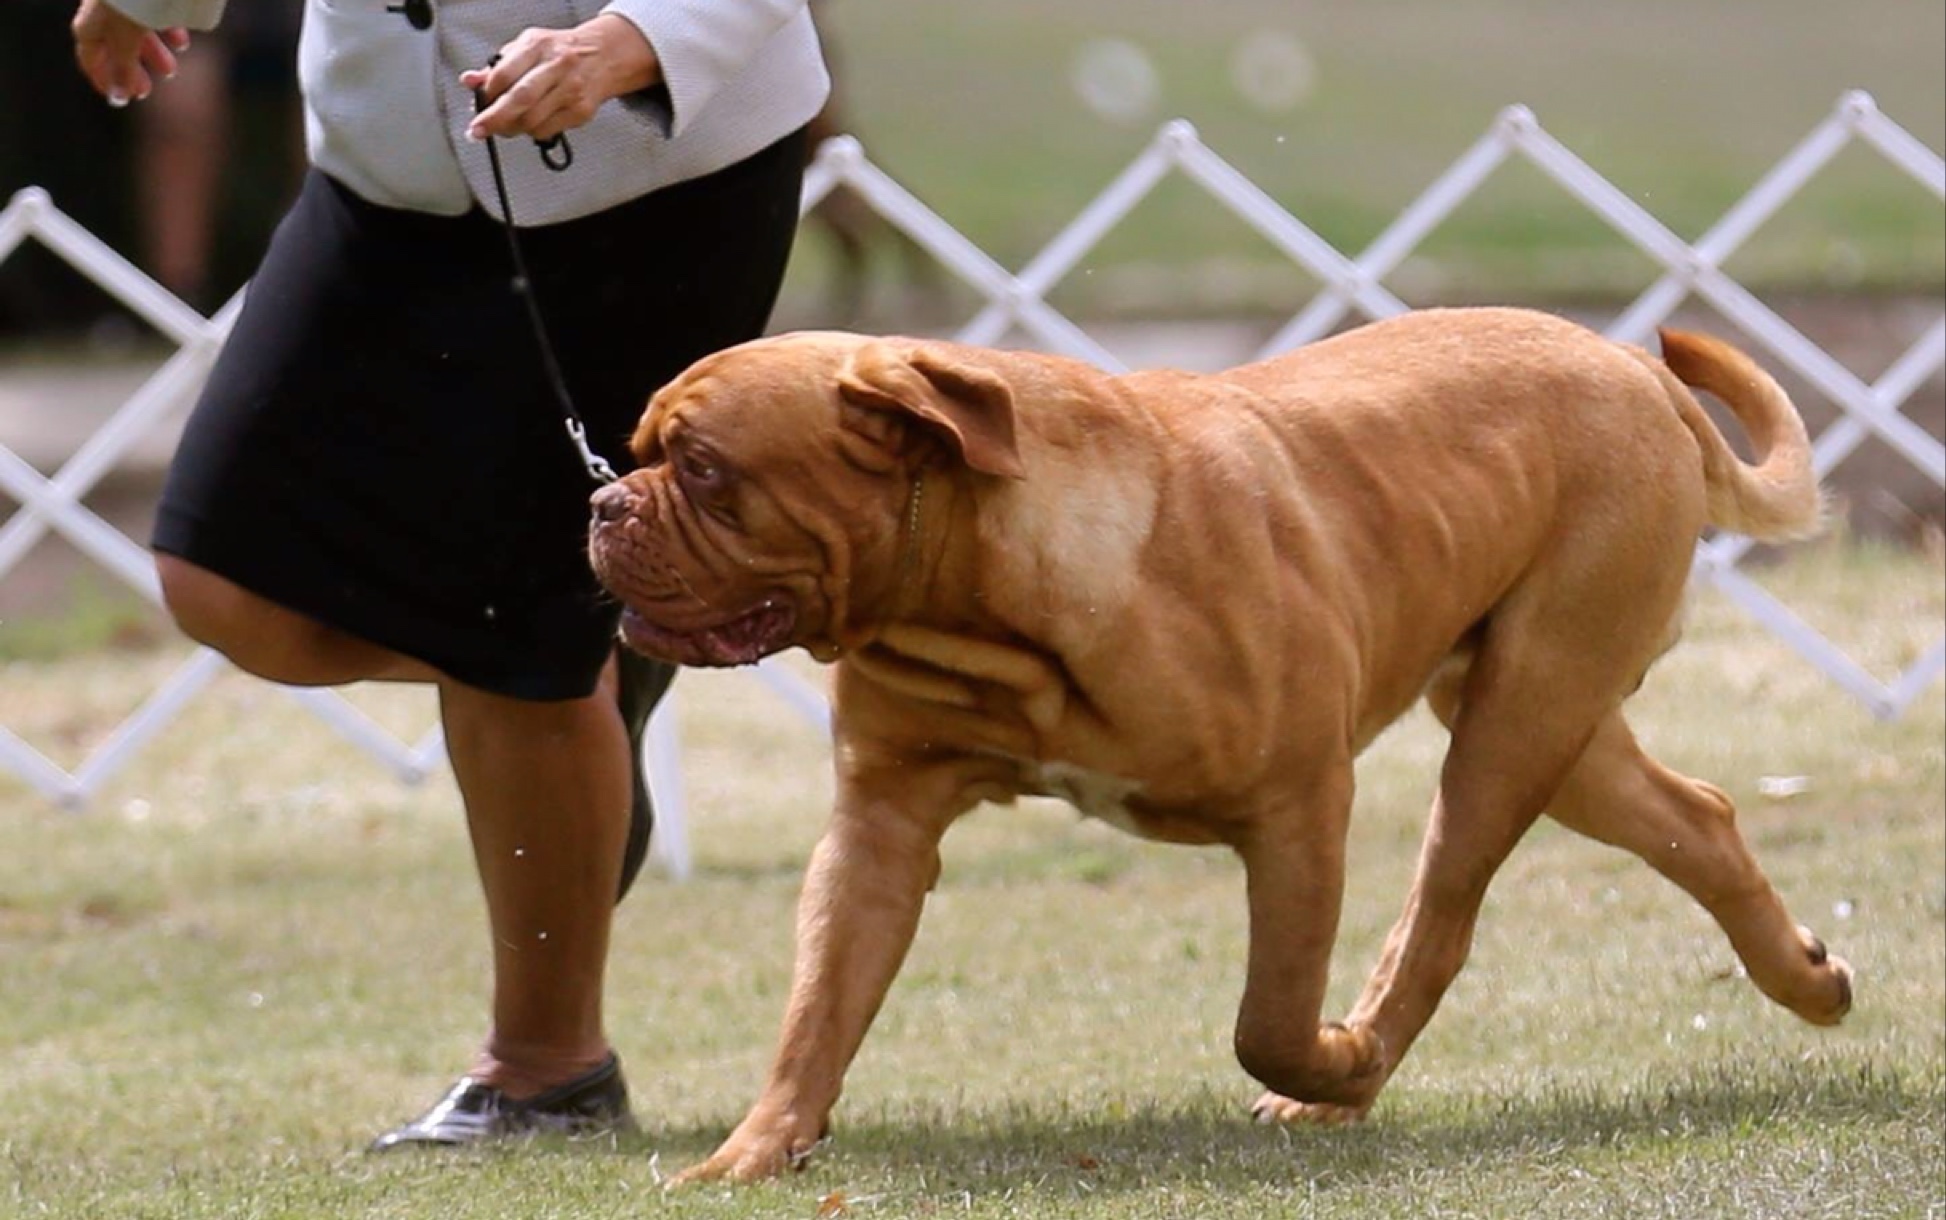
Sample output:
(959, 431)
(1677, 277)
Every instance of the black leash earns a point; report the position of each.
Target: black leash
(557, 154)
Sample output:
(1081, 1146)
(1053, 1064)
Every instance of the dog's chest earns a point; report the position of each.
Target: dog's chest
(1096, 795)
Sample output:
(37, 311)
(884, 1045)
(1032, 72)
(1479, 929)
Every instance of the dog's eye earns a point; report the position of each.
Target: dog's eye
(700, 469)
(707, 482)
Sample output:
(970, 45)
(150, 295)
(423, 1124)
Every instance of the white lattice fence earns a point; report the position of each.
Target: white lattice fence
(56, 504)
(1350, 287)
(1355, 286)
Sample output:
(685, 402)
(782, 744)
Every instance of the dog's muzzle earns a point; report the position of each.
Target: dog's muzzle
(667, 614)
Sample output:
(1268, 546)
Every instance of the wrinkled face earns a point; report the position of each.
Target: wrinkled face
(733, 539)
(774, 476)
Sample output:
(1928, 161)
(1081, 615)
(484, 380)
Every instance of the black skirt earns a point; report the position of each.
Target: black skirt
(378, 447)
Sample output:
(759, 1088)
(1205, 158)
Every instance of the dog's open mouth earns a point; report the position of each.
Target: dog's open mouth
(743, 640)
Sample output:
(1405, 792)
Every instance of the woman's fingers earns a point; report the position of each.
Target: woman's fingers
(120, 57)
(555, 113)
(514, 86)
(544, 104)
(155, 55)
(128, 81)
(119, 80)
(546, 82)
(514, 61)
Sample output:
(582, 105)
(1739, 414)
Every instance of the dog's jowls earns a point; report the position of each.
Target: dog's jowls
(1185, 604)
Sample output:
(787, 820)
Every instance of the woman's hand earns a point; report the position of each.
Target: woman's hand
(548, 81)
(118, 55)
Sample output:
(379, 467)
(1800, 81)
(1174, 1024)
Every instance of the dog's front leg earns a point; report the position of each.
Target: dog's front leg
(855, 920)
(1294, 866)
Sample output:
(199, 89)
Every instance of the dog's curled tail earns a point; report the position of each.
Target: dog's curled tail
(1778, 498)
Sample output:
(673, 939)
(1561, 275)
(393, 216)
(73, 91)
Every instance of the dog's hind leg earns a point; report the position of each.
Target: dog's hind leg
(1686, 830)
(1521, 713)
(1616, 794)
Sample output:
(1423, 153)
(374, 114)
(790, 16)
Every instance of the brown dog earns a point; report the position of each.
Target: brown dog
(1185, 604)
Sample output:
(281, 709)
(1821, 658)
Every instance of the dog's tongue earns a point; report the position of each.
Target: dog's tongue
(744, 640)
(731, 644)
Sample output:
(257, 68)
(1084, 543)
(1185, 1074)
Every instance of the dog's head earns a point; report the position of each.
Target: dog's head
(769, 507)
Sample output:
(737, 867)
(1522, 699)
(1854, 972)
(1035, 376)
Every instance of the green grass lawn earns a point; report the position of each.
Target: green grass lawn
(1682, 105)
(255, 951)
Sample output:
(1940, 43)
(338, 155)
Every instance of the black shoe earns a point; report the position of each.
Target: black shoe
(471, 1112)
(640, 684)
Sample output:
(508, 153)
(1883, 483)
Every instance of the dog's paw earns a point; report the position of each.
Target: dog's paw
(759, 1148)
(1833, 1000)
(1361, 1051)
(1276, 1108)
(738, 1161)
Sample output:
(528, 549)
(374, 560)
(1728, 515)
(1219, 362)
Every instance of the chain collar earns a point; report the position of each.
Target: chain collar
(909, 548)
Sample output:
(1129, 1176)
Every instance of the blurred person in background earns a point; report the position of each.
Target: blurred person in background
(854, 228)
(376, 483)
(187, 134)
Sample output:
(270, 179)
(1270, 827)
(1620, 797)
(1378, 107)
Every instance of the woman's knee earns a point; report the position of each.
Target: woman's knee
(256, 634)
(202, 603)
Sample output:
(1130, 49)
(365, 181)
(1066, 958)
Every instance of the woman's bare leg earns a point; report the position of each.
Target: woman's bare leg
(546, 789)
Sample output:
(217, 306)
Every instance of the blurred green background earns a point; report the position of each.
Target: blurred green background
(980, 111)
(1683, 105)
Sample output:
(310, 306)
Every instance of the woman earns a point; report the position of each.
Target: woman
(376, 483)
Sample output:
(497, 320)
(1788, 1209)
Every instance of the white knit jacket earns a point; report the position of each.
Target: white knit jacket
(386, 115)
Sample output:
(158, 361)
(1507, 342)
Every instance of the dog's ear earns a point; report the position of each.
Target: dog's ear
(884, 389)
(646, 442)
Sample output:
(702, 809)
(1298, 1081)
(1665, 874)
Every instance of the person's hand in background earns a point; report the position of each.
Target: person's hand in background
(122, 57)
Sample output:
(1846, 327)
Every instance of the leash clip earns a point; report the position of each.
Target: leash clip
(598, 468)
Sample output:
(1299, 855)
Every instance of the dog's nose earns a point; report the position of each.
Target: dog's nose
(612, 503)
